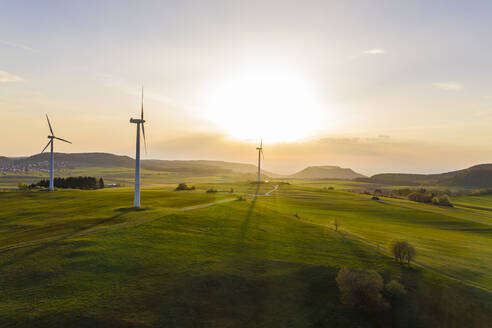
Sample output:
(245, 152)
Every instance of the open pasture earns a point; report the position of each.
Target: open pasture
(84, 258)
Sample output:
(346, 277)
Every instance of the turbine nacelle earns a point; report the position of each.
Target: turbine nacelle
(136, 120)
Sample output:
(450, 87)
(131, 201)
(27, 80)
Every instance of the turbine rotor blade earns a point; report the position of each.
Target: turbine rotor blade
(49, 124)
(145, 142)
(262, 156)
(46, 146)
(62, 140)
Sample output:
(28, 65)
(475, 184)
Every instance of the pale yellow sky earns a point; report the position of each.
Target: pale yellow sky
(386, 87)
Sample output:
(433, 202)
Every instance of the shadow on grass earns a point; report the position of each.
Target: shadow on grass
(130, 209)
(245, 224)
(56, 240)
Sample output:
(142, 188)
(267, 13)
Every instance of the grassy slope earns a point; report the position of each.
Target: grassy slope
(444, 241)
(242, 263)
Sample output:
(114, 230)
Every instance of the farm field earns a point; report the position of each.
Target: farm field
(187, 259)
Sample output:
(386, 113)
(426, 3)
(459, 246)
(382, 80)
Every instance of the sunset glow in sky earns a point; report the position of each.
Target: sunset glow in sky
(372, 85)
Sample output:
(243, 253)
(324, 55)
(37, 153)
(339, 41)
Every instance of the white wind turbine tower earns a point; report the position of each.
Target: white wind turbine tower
(136, 201)
(260, 155)
(52, 137)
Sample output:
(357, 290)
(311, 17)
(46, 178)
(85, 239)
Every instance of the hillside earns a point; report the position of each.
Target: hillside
(326, 172)
(478, 176)
(40, 162)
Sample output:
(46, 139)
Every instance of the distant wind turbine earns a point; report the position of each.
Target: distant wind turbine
(52, 137)
(260, 155)
(136, 201)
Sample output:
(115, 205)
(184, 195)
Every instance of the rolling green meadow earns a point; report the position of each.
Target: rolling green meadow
(76, 258)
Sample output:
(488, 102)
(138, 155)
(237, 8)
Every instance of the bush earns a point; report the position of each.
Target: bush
(331, 188)
(375, 198)
(420, 196)
(184, 186)
(402, 251)
(444, 200)
(361, 289)
(22, 186)
(435, 200)
(241, 198)
(211, 191)
(395, 289)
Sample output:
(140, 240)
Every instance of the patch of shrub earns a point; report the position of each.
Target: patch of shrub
(444, 200)
(361, 289)
(395, 289)
(240, 198)
(331, 188)
(22, 186)
(420, 196)
(211, 191)
(375, 198)
(403, 251)
(184, 186)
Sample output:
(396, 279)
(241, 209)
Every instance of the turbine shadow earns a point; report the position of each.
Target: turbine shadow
(244, 225)
(53, 242)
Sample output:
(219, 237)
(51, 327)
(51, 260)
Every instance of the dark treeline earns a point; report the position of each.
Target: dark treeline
(72, 183)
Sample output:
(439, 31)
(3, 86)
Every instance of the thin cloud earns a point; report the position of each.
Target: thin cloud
(7, 77)
(449, 86)
(375, 51)
(17, 45)
(369, 52)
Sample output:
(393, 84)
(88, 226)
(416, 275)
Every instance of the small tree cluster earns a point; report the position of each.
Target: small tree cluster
(361, 289)
(71, 183)
(402, 251)
(184, 186)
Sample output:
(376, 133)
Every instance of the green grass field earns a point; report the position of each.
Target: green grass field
(191, 259)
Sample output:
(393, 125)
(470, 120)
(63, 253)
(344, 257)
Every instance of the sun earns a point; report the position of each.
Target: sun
(277, 106)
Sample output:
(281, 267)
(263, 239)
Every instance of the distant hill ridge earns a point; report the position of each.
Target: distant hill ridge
(326, 172)
(77, 160)
(478, 176)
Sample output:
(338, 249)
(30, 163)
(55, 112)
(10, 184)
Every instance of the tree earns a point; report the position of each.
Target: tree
(101, 183)
(402, 251)
(361, 289)
(336, 223)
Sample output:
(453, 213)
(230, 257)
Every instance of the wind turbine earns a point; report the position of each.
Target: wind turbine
(136, 200)
(260, 155)
(50, 143)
